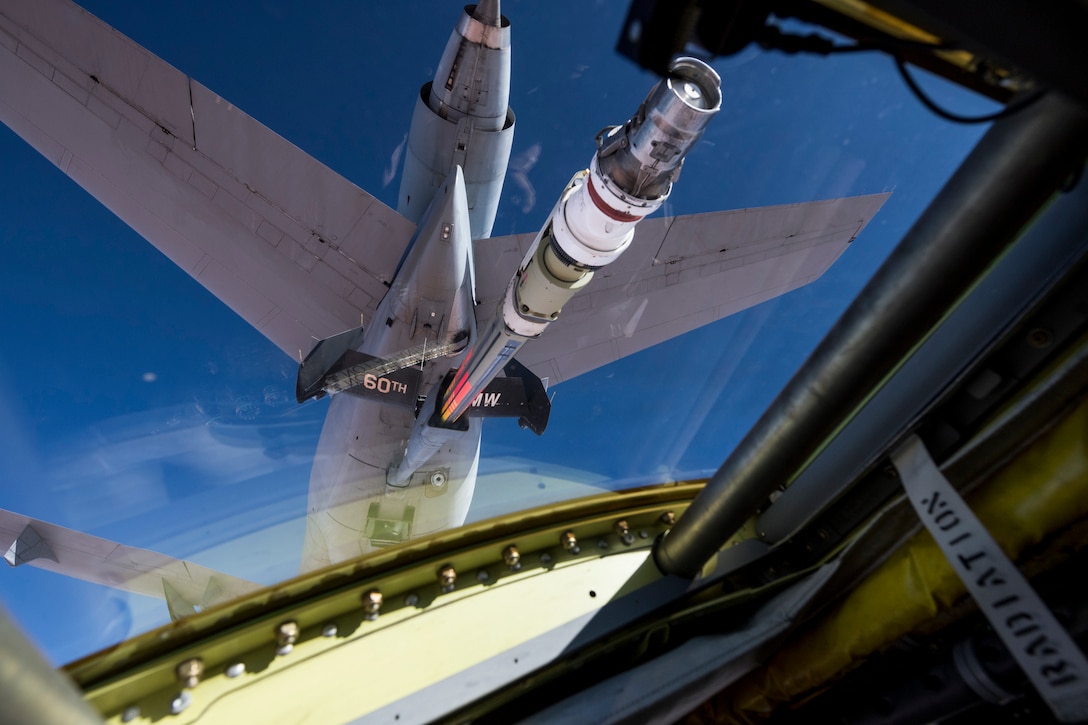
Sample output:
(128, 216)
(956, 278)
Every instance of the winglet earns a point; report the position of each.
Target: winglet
(27, 547)
(321, 359)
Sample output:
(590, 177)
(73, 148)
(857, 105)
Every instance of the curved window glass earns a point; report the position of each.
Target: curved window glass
(137, 409)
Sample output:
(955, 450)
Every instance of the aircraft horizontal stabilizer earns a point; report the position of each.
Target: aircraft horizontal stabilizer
(269, 230)
(185, 585)
(679, 274)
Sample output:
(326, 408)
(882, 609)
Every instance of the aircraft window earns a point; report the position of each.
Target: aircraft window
(136, 408)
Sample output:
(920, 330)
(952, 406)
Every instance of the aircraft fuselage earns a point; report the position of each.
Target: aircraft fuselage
(381, 475)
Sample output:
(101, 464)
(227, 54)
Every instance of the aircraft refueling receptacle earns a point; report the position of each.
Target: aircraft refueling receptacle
(629, 177)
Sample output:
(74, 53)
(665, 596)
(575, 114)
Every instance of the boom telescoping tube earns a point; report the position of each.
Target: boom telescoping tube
(629, 177)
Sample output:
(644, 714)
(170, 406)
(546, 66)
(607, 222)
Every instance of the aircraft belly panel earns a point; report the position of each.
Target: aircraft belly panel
(351, 510)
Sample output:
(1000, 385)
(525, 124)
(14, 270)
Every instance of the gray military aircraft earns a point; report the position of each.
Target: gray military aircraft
(306, 256)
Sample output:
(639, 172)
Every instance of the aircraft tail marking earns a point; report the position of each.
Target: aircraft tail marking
(335, 365)
(520, 394)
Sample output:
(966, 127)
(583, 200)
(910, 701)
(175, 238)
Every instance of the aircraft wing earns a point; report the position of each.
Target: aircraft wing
(295, 249)
(185, 586)
(680, 273)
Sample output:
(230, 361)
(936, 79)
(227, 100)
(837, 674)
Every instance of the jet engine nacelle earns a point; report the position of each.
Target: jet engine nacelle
(463, 118)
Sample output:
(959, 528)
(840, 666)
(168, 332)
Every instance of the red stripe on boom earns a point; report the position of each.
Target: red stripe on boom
(606, 209)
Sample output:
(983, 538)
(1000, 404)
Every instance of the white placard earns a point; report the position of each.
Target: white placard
(1046, 653)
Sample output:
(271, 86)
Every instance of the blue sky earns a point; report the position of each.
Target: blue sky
(135, 406)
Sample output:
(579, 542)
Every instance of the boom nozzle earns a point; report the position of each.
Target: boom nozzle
(642, 156)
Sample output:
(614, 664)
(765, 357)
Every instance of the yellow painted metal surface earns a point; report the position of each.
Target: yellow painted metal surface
(423, 634)
(335, 681)
(885, 22)
(1042, 491)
